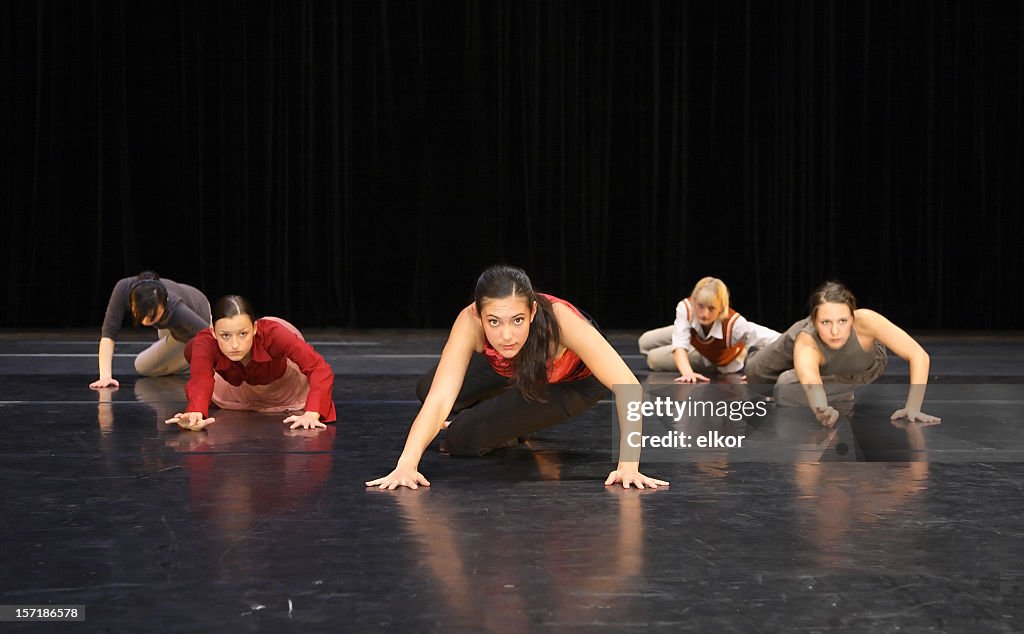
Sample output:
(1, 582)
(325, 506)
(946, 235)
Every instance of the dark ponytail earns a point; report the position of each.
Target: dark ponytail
(530, 366)
(146, 296)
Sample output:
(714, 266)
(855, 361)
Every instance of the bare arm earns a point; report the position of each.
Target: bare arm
(117, 308)
(686, 373)
(464, 339)
(905, 347)
(807, 364)
(105, 358)
(609, 368)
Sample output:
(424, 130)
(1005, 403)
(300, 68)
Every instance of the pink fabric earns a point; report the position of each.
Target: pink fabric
(276, 345)
(285, 394)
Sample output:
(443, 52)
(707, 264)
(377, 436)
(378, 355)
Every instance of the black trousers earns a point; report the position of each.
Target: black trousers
(489, 411)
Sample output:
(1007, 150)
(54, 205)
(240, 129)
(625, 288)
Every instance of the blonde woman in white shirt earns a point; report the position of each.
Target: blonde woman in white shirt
(708, 336)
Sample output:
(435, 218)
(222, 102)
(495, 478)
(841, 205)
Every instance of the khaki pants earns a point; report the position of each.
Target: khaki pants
(165, 356)
(656, 345)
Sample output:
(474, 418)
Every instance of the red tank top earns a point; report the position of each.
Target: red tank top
(717, 351)
(568, 367)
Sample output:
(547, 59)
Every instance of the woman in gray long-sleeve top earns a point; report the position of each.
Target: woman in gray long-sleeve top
(177, 311)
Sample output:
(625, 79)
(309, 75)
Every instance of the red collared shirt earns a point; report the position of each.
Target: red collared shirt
(272, 347)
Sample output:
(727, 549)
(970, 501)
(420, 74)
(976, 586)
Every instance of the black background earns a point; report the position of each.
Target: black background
(357, 164)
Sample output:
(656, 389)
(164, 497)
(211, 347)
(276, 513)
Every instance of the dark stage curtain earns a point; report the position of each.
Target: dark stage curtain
(357, 164)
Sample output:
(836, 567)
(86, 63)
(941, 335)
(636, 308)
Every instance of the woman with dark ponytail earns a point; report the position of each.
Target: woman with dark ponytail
(516, 362)
(177, 311)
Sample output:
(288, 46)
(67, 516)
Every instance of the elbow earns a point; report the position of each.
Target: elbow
(920, 364)
(919, 358)
(626, 378)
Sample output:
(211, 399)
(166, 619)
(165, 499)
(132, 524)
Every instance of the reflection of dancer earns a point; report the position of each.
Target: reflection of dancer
(708, 335)
(515, 362)
(598, 551)
(177, 311)
(229, 493)
(262, 365)
(819, 350)
(837, 514)
(162, 394)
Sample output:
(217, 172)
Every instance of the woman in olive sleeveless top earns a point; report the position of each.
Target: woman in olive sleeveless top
(839, 343)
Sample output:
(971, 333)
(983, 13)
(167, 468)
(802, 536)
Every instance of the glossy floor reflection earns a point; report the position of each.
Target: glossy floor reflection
(249, 526)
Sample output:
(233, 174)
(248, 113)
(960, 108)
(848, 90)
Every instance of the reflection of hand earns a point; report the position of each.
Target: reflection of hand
(621, 492)
(632, 477)
(827, 416)
(301, 433)
(307, 420)
(107, 382)
(903, 423)
(189, 442)
(692, 377)
(192, 421)
(915, 416)
(400, 477)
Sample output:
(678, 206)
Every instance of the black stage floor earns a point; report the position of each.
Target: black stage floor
(247, 526)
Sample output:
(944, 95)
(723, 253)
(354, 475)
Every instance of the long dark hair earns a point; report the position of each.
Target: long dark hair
(831, 292)
(530, 366)
(146, 296)
(232, 306)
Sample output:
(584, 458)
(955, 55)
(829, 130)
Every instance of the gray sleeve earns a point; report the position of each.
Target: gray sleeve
(117, 308)
(188, 311)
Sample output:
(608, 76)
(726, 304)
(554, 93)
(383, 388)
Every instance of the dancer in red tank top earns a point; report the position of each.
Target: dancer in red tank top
(516, 361)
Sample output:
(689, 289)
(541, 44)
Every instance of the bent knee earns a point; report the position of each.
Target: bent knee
(144, 369)
(460, 440)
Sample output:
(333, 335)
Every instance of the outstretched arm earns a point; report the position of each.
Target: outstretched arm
(609, 368)
(905, 347)
(117, 307)
(448, 378)
(681, 346)
(200, 353)
(686, 373)
(319, 406)
(105, 357)
(807, 364)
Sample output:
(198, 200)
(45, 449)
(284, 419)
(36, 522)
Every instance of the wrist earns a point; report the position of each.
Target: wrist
(407, 462)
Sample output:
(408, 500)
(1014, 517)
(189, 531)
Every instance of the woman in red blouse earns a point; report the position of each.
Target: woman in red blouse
(262, 365)
(516, 362)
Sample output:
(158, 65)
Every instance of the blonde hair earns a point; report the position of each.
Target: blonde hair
(710, 289)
